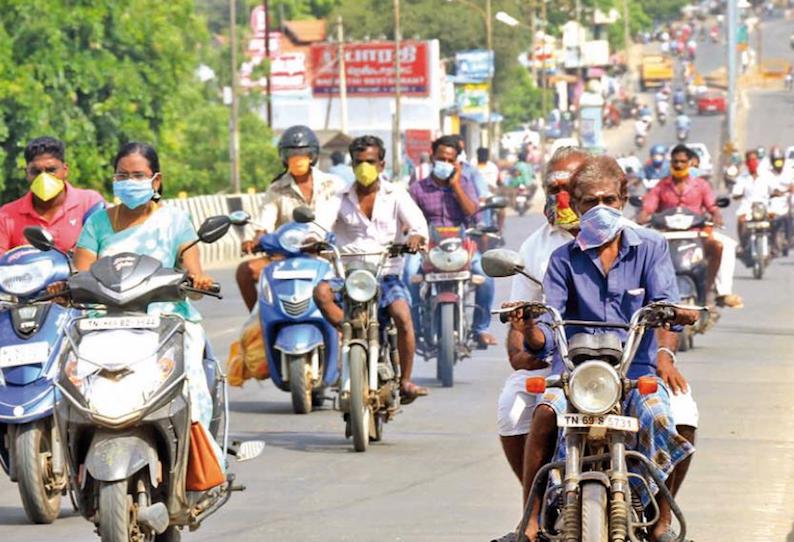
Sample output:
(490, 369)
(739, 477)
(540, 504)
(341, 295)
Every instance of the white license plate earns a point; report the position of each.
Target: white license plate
(521, 199)
(711, 108)
(758, 225)
(609, 421)
(119, 322)
(296, 274)
(438, 277)
(24, 354)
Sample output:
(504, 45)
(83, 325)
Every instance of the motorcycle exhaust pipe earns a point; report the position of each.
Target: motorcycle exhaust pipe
(155, 517)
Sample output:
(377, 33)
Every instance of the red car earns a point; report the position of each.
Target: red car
(712, 101)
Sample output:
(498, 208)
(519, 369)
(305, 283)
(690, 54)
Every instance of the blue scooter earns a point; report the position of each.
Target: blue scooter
(31, 336)
(302, 347)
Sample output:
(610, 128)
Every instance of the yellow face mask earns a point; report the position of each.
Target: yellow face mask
(45, 186)
(366, 174)
(680, 173)
(298, 166)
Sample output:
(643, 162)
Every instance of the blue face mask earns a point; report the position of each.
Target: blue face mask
(599, 226)
(694, 172)
(443, 170)
(133, 194)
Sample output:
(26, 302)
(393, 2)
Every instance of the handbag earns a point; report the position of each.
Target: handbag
(203, 470)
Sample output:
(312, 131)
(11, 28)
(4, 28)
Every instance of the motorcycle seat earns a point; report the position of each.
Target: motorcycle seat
(602, 346)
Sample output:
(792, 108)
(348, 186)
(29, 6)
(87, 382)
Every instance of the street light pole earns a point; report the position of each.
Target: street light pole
(266, 7)
(234, 143)
(489, 42)
(396, 154)
(731, 21)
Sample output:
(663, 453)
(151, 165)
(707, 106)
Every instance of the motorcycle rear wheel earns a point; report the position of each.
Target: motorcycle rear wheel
(360, 412)
(115, 512)
(595, 525)
(33, 448)
(300, 384)
(446, 345)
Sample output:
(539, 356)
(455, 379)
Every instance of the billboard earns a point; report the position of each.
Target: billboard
(370, 68)
(287, 73)
(475, 65)
(472, 98)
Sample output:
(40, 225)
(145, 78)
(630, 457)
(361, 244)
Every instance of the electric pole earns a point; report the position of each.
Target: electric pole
(731, 30)
(489, 44)
(234, 144)
(266, 7)
(395, 138)
(342, 75)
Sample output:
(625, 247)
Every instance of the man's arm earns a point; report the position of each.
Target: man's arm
(650, 204)
(710, 202)
(464, 192)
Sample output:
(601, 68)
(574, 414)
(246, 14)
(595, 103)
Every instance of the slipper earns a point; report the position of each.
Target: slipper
(410, 391)
(484, 340)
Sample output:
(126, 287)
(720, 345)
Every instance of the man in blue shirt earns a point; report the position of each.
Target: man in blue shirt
(609, 271)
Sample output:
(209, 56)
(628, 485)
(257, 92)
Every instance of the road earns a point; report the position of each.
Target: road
(439, 474)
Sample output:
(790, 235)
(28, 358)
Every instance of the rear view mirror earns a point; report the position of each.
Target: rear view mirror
(214, 228)
(635, 201)
(303, 215)
(39, 238)
(495, 202)
(501, 262)
(723, 201)
(239, 218)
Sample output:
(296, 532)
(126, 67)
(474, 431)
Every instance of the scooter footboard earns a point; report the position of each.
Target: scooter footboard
(112, 456)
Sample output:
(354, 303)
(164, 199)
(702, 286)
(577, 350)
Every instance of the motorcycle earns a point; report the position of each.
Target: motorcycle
(31, 338)
(682, 134)
(522, 199)
(757, 240)
(446, 282)
(589, 498)
(730, 173)
(302, 347)
(639, 141)
(661, 116)
(125, 415)
(679, 108)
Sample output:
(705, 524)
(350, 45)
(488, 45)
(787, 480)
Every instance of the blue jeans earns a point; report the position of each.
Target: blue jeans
(483, 297)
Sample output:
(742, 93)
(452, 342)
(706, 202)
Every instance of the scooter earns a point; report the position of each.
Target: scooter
(522, 198)
(682, 134)
(639, 141)
(756, 249)
(31, 338)
(302, 347)
(125, 416)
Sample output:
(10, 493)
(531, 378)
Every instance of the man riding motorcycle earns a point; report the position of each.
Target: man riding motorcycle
(370, 215)
(779, 205)
(447, 198)
(683, 189)
(515, 407)
(613, 260)
(52, 202)
(657, 167)
(302, 183)
(752, 186)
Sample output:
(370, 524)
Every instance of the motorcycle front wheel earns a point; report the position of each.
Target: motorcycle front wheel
(446, 345)
(360, 412)
(34, 451)
(300, 384)
(594, 513)
(115, 512)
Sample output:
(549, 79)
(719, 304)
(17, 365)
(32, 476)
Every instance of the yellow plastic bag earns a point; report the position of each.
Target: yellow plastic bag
(247, 358)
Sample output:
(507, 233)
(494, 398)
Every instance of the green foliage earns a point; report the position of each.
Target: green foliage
(662, 10)
(521, 101)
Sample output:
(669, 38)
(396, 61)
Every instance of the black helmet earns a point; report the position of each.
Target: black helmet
(298, 137)
(776, 153)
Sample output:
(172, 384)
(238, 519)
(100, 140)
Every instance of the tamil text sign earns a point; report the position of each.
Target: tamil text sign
(370, 68)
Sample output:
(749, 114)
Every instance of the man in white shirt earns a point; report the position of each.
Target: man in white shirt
(753, 186)
(515, 405)
(371, 215)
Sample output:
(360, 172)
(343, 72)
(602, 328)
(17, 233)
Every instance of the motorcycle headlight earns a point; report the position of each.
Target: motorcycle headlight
(25, 278)
(361, 285)
(448, 261)
(594, 387)
(759, 211)
(267, 293)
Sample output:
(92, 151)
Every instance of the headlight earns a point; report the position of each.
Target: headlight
(361, 285)
(25, 278)
(759, 211)
(267, 293)
(291, 240)
(448, 261)
(594, 387)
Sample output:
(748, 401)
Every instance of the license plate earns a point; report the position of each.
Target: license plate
(290, 274)
(521, 199)
(438, 277)
(711, 108)
(119, 322)
(757, 225)
(609, 421)
(24, 354)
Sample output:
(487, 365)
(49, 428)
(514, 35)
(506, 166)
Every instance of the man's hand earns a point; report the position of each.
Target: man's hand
(670, 375)
(686, 317)
(454, 181)
(247, 247)
(516, 317)
(415, 243)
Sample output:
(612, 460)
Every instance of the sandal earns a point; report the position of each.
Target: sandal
(410, 391)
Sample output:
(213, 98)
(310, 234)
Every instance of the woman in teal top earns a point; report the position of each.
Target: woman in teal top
(142, 226)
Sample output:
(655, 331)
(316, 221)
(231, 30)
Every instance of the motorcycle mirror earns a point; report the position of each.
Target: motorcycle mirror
(303, 215)
(250, 449)
(495, 202)
(501, 262)
(39, 238)
(635, 201)
(214, 228)
(239, 218)
(723, 201)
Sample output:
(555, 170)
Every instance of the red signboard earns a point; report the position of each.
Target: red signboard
(370, 68)
(417, 142)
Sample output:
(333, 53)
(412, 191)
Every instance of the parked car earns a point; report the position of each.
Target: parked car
(712, 101)
(706, 165)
